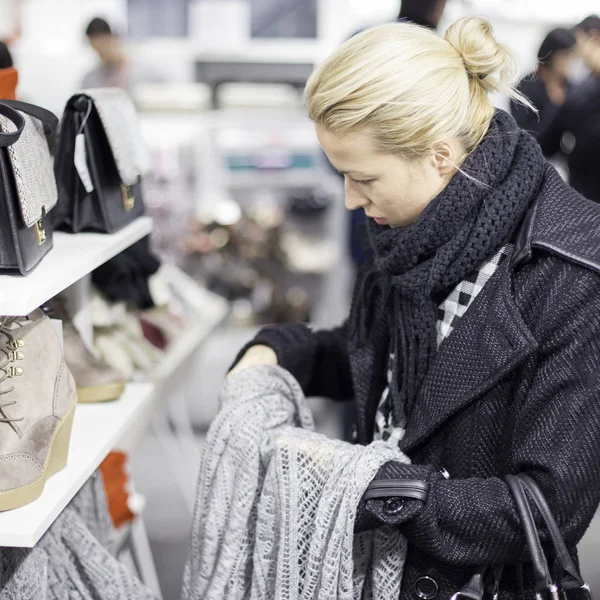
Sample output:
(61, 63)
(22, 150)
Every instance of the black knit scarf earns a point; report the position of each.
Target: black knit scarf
(416, 267)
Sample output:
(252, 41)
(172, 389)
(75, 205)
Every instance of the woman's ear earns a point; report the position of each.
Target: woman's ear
(445, 158)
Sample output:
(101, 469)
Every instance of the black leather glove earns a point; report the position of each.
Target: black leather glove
(397, 494)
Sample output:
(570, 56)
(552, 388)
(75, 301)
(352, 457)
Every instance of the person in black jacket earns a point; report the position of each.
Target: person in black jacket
(473, 340)
(575, 128)
(547, 87)
(427, 13)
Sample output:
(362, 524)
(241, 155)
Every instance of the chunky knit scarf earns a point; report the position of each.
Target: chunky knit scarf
(416, 266)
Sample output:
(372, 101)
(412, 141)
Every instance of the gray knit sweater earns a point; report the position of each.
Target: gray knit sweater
(74, 560)
(276, 504)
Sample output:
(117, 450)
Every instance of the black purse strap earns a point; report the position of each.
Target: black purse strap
(541, 571)
(8, 139)
(571, 576)
(475, 589)
(49, 120)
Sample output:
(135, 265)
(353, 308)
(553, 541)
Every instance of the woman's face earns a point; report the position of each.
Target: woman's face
(391, 190)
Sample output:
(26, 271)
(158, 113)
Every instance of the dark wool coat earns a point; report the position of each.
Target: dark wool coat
(516, 387)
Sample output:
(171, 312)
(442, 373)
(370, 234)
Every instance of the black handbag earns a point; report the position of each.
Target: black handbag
(486, 581)
(100, 162)
(28, 190)
(569, 577)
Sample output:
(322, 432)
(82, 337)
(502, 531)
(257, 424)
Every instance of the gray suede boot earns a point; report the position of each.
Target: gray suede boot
(96, 380)
(37, 404)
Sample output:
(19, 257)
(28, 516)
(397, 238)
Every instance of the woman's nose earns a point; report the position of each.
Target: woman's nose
(354, 197)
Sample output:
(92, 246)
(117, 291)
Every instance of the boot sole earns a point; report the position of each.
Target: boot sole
(55, 462)
(101, 393)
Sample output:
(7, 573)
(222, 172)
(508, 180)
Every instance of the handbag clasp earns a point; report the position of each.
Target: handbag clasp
(40, 232)
(128, 198)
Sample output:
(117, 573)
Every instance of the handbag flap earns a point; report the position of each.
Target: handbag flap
(122, 126)
(33, 169)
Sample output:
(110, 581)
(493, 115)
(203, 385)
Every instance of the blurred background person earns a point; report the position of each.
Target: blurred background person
(115, 68)
(427, 13)
(547, 87)
(8, 74)
(575, 128)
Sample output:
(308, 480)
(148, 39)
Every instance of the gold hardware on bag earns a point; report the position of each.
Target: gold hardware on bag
(14, 371)
(128, 198)
(40, 233)
(16, 344)
(14, 355)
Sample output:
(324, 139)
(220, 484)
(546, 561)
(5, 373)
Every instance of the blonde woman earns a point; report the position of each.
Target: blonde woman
(473, 340)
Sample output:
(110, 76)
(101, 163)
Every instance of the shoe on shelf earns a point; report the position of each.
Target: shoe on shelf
(37, 405)
(96, 380)
(161, 327)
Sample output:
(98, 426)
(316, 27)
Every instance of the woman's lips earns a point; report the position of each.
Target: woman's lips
(380, 221)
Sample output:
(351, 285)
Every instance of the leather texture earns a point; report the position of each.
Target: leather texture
(33, 170)
(571, 577)
(398, 488)
(475, 588)
(103, 209)
(26, 189)
(561, 222)
(541, 571)
(21, 250)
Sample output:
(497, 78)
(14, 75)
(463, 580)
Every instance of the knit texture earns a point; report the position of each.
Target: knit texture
(514, 388)
(416, 266)
(276, 504)
(73, 560)
(450, 312)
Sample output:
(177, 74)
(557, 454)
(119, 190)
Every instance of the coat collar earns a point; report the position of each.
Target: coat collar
(561, 222)
(487, 344)
(492, 339)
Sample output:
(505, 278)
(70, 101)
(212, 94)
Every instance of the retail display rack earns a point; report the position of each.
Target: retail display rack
(100, 428)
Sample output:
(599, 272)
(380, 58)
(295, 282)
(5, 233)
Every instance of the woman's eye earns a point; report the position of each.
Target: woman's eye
(363, 181)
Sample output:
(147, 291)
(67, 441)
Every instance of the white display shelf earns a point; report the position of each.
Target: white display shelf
(72, 257)
(97, 429)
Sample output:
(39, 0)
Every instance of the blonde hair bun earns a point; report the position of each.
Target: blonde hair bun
(487, 61)
(411, 88)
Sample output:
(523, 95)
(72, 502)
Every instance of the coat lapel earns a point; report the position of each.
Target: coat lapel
(487, 343)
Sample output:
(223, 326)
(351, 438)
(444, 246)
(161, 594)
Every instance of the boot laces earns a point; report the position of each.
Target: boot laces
(5, 351)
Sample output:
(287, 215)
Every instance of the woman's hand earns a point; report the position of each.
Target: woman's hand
(255, 356)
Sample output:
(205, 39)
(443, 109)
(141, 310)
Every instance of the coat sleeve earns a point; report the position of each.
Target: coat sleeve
(317, 359)
(474, 521)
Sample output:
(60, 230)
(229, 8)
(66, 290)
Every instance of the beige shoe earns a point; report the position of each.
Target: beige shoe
(37, 404)
(96, 380)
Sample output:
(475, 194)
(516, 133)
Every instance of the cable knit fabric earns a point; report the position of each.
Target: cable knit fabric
(415, 267)
(516, 387)
(75, 559)
(276, 504)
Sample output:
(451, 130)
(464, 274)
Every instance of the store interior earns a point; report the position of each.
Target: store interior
(246, 222)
